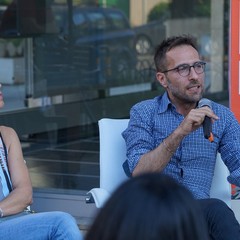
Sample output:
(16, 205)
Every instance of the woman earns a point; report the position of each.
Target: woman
(16, 221)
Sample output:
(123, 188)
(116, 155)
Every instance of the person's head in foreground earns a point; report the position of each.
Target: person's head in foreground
(148, 207)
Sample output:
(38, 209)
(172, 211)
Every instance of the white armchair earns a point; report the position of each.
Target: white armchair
(113, 154)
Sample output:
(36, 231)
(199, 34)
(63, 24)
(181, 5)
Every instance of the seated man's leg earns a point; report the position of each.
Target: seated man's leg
(48, 225)
(221, 221)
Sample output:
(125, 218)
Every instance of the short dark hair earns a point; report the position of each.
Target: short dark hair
(150, 206)
(167, 45)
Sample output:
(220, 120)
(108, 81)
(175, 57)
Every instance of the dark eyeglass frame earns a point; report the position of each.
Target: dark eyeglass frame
(178, 68)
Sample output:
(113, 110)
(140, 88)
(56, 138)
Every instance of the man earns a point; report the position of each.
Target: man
(165, 133)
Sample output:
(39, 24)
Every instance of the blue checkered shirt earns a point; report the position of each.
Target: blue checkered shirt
(151, 121)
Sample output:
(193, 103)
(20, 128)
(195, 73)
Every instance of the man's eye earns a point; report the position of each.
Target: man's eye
(183, 67)
(199, 65)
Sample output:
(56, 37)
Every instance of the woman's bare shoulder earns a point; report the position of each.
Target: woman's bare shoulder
(5, 129)
(7, 133)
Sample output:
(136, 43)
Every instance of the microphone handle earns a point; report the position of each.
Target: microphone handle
(207, 128)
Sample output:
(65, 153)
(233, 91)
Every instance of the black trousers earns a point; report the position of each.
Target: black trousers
(221, 221)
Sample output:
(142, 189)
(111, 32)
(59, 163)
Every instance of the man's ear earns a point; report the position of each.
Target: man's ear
(161, 77)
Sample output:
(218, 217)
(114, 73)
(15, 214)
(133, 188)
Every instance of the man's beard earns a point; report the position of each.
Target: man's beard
(184, 98)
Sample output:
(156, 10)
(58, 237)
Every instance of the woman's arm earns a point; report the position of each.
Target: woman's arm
(21, 195)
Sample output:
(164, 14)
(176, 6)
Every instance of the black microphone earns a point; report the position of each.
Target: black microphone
(207, 123)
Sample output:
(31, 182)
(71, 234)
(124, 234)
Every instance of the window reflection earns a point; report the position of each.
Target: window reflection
(92, 59)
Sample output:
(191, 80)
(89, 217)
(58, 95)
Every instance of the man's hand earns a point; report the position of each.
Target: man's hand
(195, 118)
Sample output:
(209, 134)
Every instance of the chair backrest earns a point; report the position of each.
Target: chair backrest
(221, 188)
(113, 154)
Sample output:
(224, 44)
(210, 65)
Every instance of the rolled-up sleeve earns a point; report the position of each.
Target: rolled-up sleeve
(138, 135)
(230, 148)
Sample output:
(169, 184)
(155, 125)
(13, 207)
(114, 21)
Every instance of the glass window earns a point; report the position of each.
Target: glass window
(81, 25)
(118, 21)
(78, 19)
(97, 20)
(60, 15)
(59, 81)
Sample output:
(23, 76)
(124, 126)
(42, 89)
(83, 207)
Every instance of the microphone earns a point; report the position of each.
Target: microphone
(207, 123)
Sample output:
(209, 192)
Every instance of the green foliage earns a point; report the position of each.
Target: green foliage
(177, 9)
(5, 2)
(160, 12)
(203, 8)
(16, 41)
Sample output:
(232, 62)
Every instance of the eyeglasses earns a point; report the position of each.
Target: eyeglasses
(184, 69)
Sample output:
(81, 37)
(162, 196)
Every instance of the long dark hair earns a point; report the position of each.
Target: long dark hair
(149, 207)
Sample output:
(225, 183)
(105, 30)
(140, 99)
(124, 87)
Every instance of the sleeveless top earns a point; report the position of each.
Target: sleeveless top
(5, 180)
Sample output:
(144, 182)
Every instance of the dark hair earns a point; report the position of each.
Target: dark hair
(167, 45)
(149, 207)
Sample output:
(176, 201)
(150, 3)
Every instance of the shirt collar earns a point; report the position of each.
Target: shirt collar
(164, 103)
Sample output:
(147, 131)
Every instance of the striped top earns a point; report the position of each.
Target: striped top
(4, 191)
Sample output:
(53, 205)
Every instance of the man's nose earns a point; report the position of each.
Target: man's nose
(193, 73)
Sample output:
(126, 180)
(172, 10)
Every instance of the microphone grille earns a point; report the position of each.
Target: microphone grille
(204, 102)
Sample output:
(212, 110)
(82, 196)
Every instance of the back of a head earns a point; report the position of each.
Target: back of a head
(149, 207)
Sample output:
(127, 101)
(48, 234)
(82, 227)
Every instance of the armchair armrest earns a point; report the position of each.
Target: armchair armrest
(97, 196)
